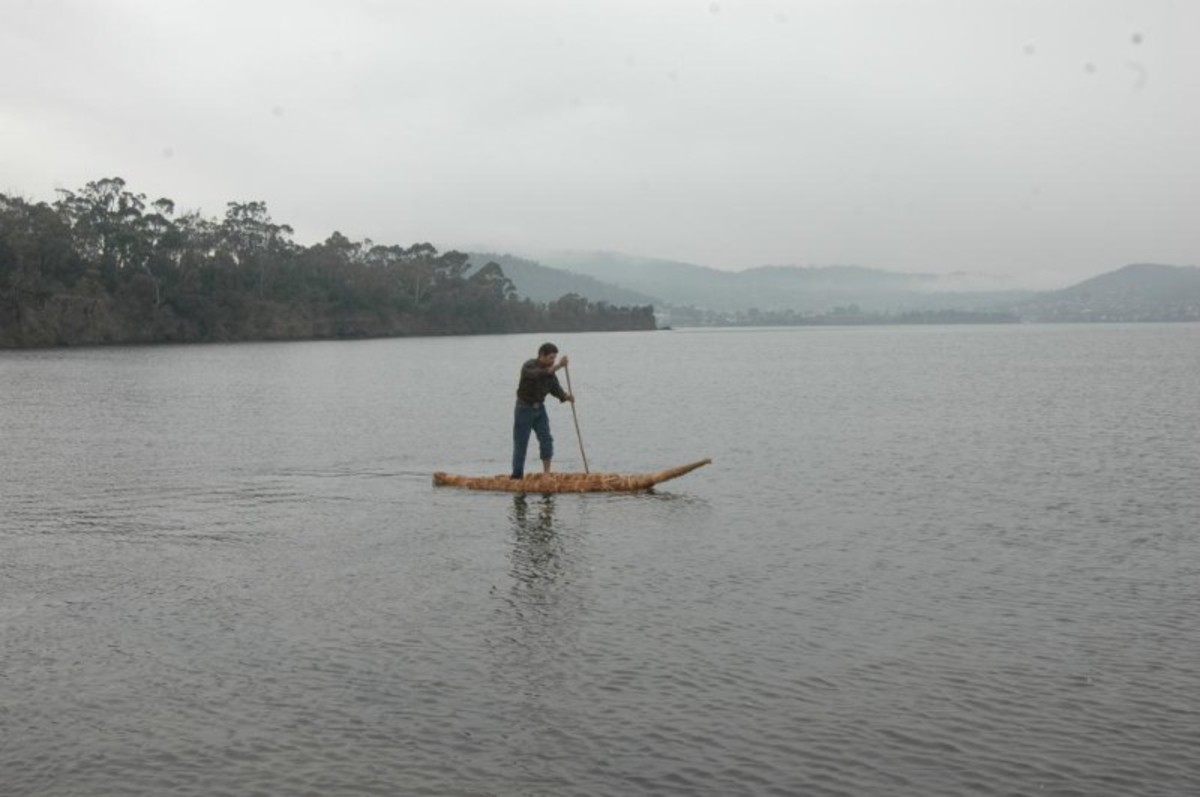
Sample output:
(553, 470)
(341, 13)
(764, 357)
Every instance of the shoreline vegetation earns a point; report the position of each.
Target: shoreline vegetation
(101, 265)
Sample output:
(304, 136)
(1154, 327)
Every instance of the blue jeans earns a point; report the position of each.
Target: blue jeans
(530, 418)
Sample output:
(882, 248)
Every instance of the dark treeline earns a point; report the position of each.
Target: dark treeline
(101, 265)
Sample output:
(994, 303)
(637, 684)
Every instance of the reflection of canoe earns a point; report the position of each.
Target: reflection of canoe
(567, 482)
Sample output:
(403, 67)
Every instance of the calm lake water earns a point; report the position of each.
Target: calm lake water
(925, 561)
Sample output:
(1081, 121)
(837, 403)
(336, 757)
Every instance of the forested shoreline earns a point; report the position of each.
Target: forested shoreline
(101, 265)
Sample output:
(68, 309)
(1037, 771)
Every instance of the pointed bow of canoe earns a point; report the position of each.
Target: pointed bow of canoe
(676, 472)
(567, 482)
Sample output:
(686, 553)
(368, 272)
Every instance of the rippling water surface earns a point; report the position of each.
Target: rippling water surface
(925, 561)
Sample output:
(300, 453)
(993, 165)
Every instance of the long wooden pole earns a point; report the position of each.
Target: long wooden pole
(575, 415)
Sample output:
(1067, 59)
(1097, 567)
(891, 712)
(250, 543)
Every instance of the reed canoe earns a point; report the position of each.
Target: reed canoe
(567, 482)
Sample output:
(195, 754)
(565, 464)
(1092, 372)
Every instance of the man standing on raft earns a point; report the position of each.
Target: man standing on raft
(537, 381)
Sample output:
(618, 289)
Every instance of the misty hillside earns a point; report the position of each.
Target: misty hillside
(1140, 282)
(543, 284)
(669, 281)
(777, 288)
(1137, 292)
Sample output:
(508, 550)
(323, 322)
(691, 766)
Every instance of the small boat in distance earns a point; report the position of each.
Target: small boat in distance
(567, 482)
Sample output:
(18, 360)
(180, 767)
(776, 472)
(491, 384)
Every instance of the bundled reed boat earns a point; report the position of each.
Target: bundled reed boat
(567, 482)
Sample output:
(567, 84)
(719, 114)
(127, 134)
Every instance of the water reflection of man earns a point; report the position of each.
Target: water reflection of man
(537, 548)
(537, 381)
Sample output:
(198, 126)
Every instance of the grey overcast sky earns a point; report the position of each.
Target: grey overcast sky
(1040, 141)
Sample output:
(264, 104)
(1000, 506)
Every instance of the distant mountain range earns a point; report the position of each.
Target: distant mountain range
(1139, 292)
(781, 288)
